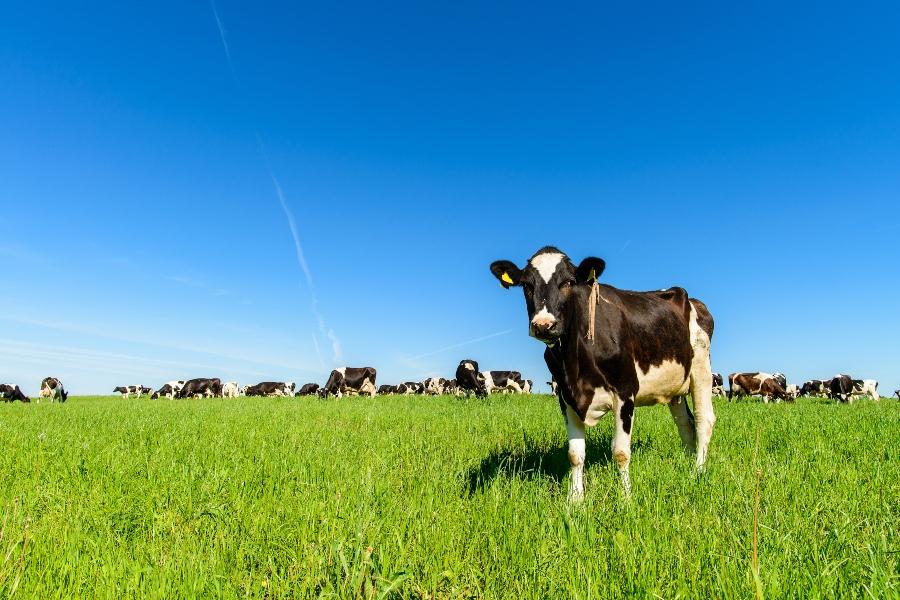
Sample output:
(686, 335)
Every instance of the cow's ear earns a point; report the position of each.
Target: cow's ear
(506, 272)
(590, 269)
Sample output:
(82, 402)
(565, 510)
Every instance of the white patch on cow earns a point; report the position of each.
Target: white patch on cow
(660, 382)
(342, 371)
(469, 366)
(488, 381)
(546, 264)
(602, 402)
(577, 453)
(543, 318)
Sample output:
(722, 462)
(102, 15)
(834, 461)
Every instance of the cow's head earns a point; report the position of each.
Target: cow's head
(550, 280)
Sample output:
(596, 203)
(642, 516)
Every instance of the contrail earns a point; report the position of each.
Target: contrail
(461, 344)
(324, 330)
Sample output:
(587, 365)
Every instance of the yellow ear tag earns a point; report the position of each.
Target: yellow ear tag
(505, 277)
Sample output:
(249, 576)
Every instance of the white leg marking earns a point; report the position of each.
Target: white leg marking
(701, 389)
(577, 453)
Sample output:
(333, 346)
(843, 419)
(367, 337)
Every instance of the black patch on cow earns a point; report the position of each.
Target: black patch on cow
(626, 413)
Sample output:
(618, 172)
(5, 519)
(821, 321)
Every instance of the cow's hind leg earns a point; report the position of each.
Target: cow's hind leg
(684, 419)
(701, 390)
(621, 442)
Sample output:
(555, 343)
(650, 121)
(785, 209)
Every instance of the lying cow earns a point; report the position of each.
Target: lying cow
(350, 380)
(612, 350)
(469, 379)
(502, 381)
(200, 387)
(10, 393)
(52, 389)
(308, 389)
(435, 385)
(764, 385)
(815, 388)
(271, 388)
(169, 390)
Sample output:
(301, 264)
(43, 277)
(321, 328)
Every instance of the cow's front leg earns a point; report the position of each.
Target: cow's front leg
(577, 453)
(621, 442)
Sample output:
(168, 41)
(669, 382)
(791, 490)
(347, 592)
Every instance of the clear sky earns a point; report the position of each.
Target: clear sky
(152, 156)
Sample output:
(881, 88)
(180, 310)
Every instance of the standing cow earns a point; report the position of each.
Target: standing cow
(52, 388)
(841, 387)
(756, 384)
(169, 390)
(350, 380)
(718, 385)
(200, 387)
(815, 387)
(611, 350)
(469, 379)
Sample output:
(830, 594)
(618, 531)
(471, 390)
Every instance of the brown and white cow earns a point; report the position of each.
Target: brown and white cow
(718, 385)
(764, 385)
(350, 380)
(52, 388)
(611, 350)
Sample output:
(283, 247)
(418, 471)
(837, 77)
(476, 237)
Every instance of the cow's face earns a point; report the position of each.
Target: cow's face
(549, 281)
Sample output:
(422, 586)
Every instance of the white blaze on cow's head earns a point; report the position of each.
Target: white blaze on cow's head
(550, 281)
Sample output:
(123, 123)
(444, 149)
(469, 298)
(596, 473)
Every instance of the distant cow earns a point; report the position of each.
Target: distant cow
(169, 389)
(781, 379)
(308, 389)
(385, 389)
(815, 387)
(554, 387)
(792, 390)
(508, 381)
(197, 388)
(841, 388)
(10, 392)
(350, 380)
(718, 385)
(866, 387)
(897, 393)
(52, 388)
(435, 385)
(231, 390)
(409, 388)
(469, 379)
(128, 390)
(756, 384)
(271, 388)
(527, 386)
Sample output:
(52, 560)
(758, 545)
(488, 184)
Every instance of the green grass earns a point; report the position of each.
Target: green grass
(439, 498)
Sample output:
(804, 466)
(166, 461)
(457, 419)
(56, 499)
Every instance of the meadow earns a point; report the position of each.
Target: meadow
(439, 497)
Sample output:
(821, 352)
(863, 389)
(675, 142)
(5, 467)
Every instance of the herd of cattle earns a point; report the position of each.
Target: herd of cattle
(349, 381)
(346, 381)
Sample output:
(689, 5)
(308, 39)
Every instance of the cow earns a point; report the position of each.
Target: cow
(127, 390)
(815, 387)
(409, 388)
(200, 387)
(718, 385)
(469, 379)
(385, 390)
(10, 392)
(897, 393)
(308, 389)
(527, 386)
(451, 388)
(841, 387)
(793, 391)
(756, 384)
(611, 350)
(271, 388)
(52, 388)
(781, 379)
(554, 387)
(866, 387)
(231, 390)
(502, 381)
(348, 380)
(435, 385)
(169, 390)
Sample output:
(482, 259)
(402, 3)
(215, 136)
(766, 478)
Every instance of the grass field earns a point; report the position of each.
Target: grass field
(414, 497)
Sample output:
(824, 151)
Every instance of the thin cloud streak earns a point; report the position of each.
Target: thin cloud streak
(461, 344)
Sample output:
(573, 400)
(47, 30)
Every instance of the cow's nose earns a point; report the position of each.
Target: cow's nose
(543, 321)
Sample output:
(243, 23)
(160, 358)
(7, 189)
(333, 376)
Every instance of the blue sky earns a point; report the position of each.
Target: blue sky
(150, 160)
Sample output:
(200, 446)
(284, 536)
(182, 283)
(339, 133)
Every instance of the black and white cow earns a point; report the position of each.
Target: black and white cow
(897, 393)
(611, 350)
(435, 385)
(231, 390)
(52, 388)
(308, 389)
(385, 390)
(10, 392)
(271, 388)
(527, 386)
(793, 391)
(841, 387)
(469, 379)
(866, 387)
(410, 388)
(350, 380)
(764, 385)
(815, 387)
(781, 379)
(718, 385)
(128, 390)
(502, 381)
(200, 387)
(169, 389)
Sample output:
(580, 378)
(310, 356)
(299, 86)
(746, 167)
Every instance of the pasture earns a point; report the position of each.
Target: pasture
(439, 497)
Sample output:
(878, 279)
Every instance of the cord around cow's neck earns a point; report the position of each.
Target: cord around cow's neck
(593, 301)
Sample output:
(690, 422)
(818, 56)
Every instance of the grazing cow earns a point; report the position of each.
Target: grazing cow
(841, 387)
(527, 386)
(502, 381)
(435, 386)
(197, 388)
(385, 390)
(866, 387)
(52, 388)
(612, 350)
(231, 390)
(350, 380)
(308, 389)
(718, 385)
(127, 390)
(756, 384)
(815, 387)
(793, 391)
(469, 380)
(169, 390)
(271, 388)
(10, 393)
